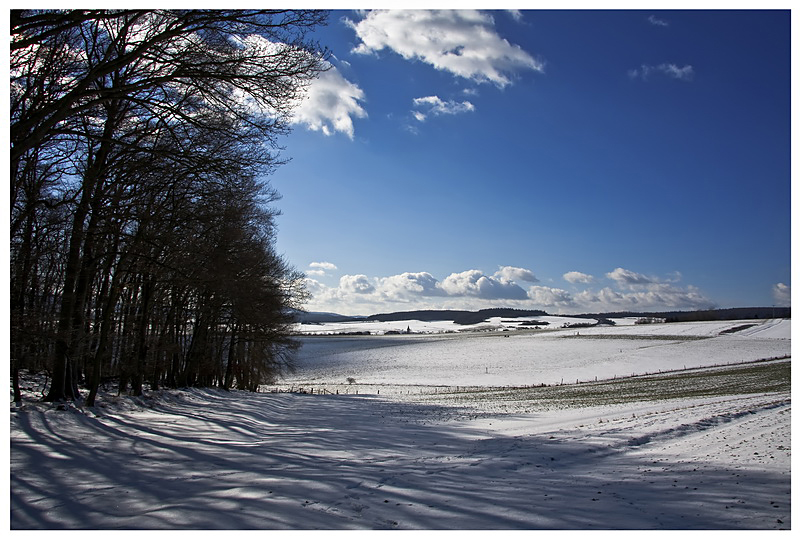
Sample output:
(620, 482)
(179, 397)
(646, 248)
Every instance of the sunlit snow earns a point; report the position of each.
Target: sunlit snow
(411, 457)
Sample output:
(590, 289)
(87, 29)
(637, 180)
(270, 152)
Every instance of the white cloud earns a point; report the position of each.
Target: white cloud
(608, 298)
(472, 289)
(434, 105)
(516, 14)
(314, 287)
(578, 277)
(640, 293)
(462, 42)
(320, 268)
(330, 104)
(661, 297)
(475, 283)
(407, 284)
(685, 73)
(550, 297)
(358, 284)
(323, 265)
(655, 21)
(782, 294)
(627, 278)
(649, 292)
(512, 273)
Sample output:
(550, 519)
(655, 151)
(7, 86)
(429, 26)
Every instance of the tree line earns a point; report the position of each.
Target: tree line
(142, 229)
(721, 314)
(457, 316)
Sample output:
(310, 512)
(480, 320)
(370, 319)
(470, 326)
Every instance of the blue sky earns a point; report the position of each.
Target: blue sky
(571, 161)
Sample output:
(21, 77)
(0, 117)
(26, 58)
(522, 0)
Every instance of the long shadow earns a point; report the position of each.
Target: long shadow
(245, 461)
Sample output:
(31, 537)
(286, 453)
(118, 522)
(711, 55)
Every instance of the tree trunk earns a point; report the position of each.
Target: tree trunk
(101, 352)
(60, 390)
(15, 383)
(140, 349)
(63, 385)
(228, 381)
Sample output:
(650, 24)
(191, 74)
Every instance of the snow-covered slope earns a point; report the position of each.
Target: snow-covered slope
(213, 460)
(421, 456)
(434, 327)
(532, 358)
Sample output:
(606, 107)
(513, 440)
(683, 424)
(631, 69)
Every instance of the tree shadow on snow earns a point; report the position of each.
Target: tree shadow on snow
(277, 461)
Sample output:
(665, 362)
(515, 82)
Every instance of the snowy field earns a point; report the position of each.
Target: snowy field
(704, 448)
(441, 327)
(521, 357)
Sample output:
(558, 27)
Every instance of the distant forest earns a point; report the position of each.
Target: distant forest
(728, 314)
(458, 317)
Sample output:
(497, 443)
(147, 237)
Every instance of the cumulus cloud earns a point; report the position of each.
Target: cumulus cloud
(635, 291)
(410, 284)
(473, 289)
(550, 297)
(320, 268)
(512, 273)
(358, 284)
(782, 294)
(656, 297)
(627, 277)
(462, 42)
(433, 105)
(323, 265)
(650, 291)
(330, 104)
(314, 287)
(578, 277)
(475, 283)
(655, 21)
(644, 72)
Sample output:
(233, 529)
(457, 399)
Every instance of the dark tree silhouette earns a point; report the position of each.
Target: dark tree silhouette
(142, 241)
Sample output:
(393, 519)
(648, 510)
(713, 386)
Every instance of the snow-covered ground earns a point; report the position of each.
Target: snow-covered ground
(440, 327)
(530, 358)
(768, 328)
(206, 459)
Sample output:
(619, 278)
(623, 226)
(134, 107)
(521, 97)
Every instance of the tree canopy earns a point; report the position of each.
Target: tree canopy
(142, 226)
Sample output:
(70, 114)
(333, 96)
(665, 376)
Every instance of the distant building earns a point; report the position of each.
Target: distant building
(650, 320)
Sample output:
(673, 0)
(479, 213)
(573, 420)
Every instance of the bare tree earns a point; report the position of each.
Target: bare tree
(118, 116)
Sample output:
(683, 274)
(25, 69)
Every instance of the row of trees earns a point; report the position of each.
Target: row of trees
(142, 231)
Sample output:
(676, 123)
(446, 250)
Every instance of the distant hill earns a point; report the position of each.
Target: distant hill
(458, 317)
(726, 314)
(311, 317)
(474, 317)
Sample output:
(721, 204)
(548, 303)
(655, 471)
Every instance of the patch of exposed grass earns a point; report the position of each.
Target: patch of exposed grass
(737, 329)
(660, 337)
(751, 378)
